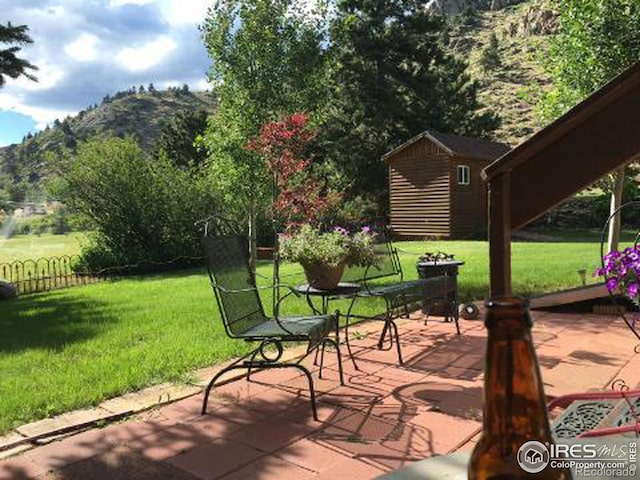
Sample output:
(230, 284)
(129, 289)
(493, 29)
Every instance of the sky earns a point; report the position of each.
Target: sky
(85, 49)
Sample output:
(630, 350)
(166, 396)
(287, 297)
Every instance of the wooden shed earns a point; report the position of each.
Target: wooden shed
(435, 188)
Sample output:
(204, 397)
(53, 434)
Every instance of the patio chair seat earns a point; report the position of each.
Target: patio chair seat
(314, 327)
(404, 288)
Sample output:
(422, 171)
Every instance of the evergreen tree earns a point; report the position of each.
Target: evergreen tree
(490, 57)
(178, 137)
(394, 79)
(10, 64)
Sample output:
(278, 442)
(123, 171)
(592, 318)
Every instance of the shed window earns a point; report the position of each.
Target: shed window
(463, 175)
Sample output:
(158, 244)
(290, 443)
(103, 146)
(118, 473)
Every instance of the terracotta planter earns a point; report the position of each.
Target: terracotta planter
(323, 277)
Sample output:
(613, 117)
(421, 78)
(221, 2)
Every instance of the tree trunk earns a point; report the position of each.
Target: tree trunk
(616, 202)
(253, 237)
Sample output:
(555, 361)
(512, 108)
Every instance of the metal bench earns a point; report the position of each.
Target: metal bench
(377, 281)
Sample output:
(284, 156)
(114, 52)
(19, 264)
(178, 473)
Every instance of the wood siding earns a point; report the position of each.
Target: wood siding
(419, 191)
(468, 202)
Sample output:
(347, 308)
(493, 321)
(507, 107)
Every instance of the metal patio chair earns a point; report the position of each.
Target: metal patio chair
(243, 315)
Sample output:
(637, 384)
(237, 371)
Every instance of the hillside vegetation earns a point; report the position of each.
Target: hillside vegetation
(511, 75)
(141, 114)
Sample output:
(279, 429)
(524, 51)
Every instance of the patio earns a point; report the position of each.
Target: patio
(385, 416)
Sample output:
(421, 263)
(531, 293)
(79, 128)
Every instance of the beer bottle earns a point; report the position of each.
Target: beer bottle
(515, 412)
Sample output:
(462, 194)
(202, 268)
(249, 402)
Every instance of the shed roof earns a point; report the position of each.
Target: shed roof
(457, 146)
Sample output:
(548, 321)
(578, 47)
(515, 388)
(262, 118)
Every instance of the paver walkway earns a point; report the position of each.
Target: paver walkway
(383, 418)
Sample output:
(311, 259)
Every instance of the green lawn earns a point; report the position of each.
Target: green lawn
(22, 247)
(72, 348)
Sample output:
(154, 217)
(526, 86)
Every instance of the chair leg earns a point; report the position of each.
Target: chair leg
(312, 391)
(207, 390)
(456, 317)
(346, 334)
(336, 345)
(385, 328)
(395, 328)
(250, 364)
(322, 358)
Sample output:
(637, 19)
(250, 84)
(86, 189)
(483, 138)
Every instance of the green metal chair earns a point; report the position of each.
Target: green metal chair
(244, 318)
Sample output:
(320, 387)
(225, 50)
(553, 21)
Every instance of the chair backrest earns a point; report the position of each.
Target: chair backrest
(227, 259)
(387, 263)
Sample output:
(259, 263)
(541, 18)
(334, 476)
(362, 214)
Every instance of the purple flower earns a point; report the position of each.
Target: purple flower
(632, 289)
(611, 255)
(341, 230)
(366, 229)
(612, 284)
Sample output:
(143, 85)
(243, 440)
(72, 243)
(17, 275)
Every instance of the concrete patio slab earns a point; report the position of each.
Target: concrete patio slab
(384, 417)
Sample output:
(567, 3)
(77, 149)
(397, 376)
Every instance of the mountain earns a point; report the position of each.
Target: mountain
(134, 112)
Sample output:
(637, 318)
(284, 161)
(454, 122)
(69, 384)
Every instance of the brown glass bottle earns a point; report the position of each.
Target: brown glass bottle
(514, 401)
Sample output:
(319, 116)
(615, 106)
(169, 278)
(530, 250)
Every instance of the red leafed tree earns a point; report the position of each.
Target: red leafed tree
(300, 197)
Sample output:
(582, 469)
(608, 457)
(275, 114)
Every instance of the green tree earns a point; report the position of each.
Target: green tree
(597, 40)
(490, 56)
(140, 210)
(393, 80)
(268, 61)
(178, 138)
(11, 65)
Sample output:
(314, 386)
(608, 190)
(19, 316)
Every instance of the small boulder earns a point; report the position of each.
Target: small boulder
(7, 290)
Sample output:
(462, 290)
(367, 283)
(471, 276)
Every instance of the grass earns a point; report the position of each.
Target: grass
(73, 348)
(22, 247)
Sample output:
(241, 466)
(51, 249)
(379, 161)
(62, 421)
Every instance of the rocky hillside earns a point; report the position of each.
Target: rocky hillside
(138, 113)
(505, 48)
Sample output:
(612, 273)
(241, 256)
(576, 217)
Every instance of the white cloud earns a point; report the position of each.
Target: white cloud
(185, 11)
(146, 56)
(83, 48)
(120, 3)
(48, 77)
(41, 115)
(202, 84)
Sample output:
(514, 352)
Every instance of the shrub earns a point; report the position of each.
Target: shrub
(142, 210)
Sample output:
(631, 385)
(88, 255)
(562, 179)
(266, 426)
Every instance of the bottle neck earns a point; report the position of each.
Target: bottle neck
(514, 398)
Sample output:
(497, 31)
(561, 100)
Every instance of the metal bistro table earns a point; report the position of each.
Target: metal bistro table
(343, 291)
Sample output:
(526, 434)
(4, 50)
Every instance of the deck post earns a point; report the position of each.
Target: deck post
(500, 235)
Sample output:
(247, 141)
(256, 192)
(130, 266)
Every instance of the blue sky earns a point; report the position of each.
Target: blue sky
(87, 48)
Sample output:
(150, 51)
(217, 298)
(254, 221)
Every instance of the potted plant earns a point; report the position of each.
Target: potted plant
(324, 254)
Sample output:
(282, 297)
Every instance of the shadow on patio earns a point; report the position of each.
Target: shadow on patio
(384, 417)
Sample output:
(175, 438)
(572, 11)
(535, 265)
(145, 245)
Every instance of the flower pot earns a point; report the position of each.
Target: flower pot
(322, 276)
